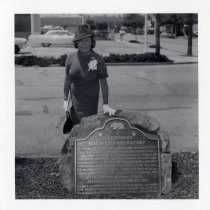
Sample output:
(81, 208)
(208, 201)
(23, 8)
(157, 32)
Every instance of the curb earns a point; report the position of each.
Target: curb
(127, 64)
(150, 64)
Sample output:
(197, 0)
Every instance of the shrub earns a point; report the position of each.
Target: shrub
(112, 58)
(62, 60)
(43, 62)
(153, 46)
(46, 61)
(134, 41)
(136, 58)
(26, 60)
(34, 60)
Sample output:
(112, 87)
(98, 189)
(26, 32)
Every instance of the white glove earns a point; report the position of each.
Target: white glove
(65, 105)
(108, 109)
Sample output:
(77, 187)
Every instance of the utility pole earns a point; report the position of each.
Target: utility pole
(35, 24)
(108, 27)
(108, 22)
(83, 19)
(145, 33)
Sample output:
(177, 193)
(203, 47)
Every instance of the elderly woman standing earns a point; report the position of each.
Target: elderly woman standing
(86, 72)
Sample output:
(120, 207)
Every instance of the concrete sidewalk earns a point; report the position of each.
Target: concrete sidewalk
(174, 49)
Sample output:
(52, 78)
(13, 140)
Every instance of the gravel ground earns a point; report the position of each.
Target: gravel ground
(39, 179)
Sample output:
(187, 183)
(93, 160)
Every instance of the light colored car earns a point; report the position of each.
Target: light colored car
(46, 28)
(19, 44)
(165, 34)
(52, 37)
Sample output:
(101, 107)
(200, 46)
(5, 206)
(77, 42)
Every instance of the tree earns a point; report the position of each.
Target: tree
(102, 26)
(190, 19)
(91, 23)
(133, 20)
(186, 20)
(157, 33)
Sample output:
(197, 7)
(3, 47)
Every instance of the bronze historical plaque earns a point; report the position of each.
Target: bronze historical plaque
(117, 159)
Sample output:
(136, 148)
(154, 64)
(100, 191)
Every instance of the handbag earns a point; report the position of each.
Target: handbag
(68, 125)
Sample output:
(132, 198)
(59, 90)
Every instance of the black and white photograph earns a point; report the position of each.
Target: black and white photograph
(106, 107)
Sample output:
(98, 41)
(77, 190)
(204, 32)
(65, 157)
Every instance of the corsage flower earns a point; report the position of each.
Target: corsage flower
(92, 65)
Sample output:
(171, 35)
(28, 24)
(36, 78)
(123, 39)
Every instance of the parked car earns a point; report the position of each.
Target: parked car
(46, 28)
(101, 34)
(195, 33)
(52, 37)
(150, 31)
(139, 31)
(19, 44)
(124, 28)
(165, 34)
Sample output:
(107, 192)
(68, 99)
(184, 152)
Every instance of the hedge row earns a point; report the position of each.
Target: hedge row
(112, 58)
(136, 58)
(40, 61)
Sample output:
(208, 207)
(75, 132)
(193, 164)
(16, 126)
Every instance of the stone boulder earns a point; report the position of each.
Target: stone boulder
(138, 120)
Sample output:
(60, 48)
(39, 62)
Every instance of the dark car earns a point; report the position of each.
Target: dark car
(195, 33)
(19, 44)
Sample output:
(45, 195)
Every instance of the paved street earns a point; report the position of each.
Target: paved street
(167, 92)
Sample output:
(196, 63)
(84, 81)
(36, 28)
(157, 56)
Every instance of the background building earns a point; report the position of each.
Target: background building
(26, 24)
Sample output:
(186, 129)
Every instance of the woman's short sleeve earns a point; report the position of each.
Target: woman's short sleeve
(102, 70)
(68, 63)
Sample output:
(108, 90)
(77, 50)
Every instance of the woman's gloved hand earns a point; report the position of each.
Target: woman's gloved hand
(67, 105)
(108, 109)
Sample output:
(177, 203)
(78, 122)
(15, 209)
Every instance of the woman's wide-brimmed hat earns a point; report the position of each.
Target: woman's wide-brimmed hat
(82, 32)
